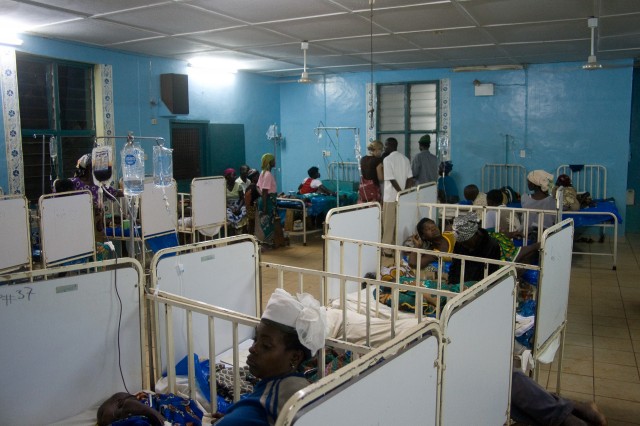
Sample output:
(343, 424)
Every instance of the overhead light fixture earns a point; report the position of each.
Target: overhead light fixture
(10, 38)
(214, 65)
(506, 67)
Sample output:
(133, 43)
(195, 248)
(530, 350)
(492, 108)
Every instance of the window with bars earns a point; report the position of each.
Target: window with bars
(56, 100)
(407, 111)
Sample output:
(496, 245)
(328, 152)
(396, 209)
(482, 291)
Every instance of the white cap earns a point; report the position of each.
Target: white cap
(302, 313)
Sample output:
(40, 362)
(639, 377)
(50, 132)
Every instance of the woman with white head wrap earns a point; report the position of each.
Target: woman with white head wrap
(540, 182)
(291, 330)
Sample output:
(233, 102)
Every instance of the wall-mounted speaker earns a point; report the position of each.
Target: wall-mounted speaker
(174, 89)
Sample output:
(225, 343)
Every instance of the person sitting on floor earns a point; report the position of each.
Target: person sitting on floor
(531, 404)
(313, 184)
(291, 330)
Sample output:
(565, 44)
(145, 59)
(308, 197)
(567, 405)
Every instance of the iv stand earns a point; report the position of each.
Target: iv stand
(356, 132)
(131, 246)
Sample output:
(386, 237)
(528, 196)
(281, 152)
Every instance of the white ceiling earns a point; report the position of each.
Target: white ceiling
(265, 35)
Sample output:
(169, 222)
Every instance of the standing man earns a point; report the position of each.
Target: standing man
(397, 176)
(425, 165)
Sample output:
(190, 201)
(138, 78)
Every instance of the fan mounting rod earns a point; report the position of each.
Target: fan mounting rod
(592, 62)
(304, 78)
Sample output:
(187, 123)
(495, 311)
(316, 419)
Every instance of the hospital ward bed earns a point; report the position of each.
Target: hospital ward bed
(343, 179)
(203, 211)
(352, 236)
(603, 213)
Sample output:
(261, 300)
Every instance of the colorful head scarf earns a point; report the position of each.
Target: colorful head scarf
(266, 161)
(465, 226)
(229, 172)
(540, 178)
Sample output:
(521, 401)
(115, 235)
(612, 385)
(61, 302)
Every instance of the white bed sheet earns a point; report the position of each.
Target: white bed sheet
(383, 311)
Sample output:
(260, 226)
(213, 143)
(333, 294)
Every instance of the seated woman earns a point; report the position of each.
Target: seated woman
(236, 210)
(428, 237)
(313, 184)
(471, 240)
(539, 183)
(447, 188)
(291, 330)
(570, 195)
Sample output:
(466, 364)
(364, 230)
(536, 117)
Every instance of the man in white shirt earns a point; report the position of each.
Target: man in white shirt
(397, 177)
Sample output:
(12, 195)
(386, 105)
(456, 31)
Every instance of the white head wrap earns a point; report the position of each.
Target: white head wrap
(540, 178)
(302, 313)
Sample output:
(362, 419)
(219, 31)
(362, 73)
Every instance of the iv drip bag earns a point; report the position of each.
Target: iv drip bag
(102, 165)
(53, 148)
(162, 166)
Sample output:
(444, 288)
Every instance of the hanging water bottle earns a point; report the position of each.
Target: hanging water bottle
(133, 168)
(443, 146)
(162, 166)
(53, 148)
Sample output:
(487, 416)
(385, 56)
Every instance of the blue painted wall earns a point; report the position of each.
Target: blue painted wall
(557, 113)
(242, 98)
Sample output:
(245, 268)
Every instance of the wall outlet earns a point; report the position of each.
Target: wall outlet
(523, 153)
(326, 153)
(154, 121)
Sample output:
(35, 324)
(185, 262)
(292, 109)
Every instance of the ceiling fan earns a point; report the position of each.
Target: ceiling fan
(304, 77)
(592, 62)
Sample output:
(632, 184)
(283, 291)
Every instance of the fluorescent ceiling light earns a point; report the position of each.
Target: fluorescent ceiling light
(214, 65)
(508, 67)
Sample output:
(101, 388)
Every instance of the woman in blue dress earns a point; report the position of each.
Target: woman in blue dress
(291, 331)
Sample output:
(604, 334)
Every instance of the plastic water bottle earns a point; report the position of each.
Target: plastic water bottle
(162, 166)
(133, 169)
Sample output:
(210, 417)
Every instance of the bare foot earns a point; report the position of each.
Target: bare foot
(589, 412)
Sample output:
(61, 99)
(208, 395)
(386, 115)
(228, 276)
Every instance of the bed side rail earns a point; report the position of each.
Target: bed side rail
(178, 306)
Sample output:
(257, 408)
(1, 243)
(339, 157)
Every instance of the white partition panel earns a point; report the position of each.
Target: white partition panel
(60, 345)
(400, 391)
(395, 384)
(208, 201)
(478, 328)
(66, 226)
(553, 286)
(158, 209)
(409, 212)
(359, 222)
(223, 275)
(15, 246)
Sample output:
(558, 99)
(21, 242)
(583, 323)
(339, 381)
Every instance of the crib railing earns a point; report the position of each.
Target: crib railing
(165, 335)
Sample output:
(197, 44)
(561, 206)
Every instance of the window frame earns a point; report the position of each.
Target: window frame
(407, 132)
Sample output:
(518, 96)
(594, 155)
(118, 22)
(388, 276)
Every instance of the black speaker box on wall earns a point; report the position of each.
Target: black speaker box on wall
(174, 89)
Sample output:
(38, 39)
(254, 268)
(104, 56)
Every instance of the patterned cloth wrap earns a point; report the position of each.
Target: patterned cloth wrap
(407, 298)
(508, 250)
(175, 409)
(333, 361)
(225, 380)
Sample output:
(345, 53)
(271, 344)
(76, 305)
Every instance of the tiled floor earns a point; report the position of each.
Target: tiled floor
(602, 346)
